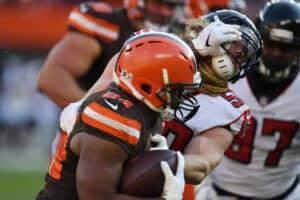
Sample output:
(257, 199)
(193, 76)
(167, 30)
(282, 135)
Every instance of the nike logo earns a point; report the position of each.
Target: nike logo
(206, 43)
(111, 105)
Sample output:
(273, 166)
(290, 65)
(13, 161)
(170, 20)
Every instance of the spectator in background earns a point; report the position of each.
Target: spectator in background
(263, 163)
(147, 89)
(20, 116)
(96, 33)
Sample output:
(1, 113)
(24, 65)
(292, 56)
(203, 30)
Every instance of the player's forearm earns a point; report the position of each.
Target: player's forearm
(196, 168)
(61, 88)
(62, 96)
(204, 153)
(62, 99)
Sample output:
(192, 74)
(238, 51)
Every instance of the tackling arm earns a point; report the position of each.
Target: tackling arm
(204, 153)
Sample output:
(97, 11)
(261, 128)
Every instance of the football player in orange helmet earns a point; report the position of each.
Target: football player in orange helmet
(96, 32)
(241, 52)
(154, 73)
(225, 34)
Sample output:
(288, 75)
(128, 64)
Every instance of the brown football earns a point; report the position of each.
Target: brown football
(143, 177)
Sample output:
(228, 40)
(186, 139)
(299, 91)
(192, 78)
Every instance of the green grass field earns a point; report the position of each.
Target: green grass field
(22, 173)
(23, 165)
(18, 185)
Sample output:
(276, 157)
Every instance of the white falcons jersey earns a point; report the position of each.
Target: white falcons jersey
(226, 110)
(263, 162)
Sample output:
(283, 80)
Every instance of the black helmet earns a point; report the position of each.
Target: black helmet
(280, 21)
(279, 24)
(250, 36)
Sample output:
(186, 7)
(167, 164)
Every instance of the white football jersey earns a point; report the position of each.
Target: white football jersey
(263, 162)
(224, 110)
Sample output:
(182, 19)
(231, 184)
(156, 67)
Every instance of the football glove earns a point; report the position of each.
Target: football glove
(209, 40)
(174, 183)
(159, 142)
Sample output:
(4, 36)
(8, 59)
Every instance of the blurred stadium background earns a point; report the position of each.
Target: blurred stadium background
(28, 120)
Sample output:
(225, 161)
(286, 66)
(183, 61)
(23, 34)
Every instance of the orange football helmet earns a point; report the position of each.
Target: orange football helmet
(160, 70)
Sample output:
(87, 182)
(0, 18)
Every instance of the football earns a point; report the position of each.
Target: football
(143, 177)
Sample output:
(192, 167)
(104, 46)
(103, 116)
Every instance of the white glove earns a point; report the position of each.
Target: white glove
(160, 142)
(68, 116)
(212, 36)
(174, 184)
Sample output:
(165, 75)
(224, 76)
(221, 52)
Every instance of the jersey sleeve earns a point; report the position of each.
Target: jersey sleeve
(226, 110)
(94, 19)
(99, 119)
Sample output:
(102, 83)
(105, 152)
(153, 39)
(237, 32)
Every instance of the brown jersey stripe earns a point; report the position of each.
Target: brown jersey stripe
(112, 123)
(91, 25)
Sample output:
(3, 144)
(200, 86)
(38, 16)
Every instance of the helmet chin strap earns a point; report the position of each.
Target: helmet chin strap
(155, 27)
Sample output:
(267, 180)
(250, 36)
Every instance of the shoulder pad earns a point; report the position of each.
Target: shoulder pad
(101, 113)
(226, 110)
